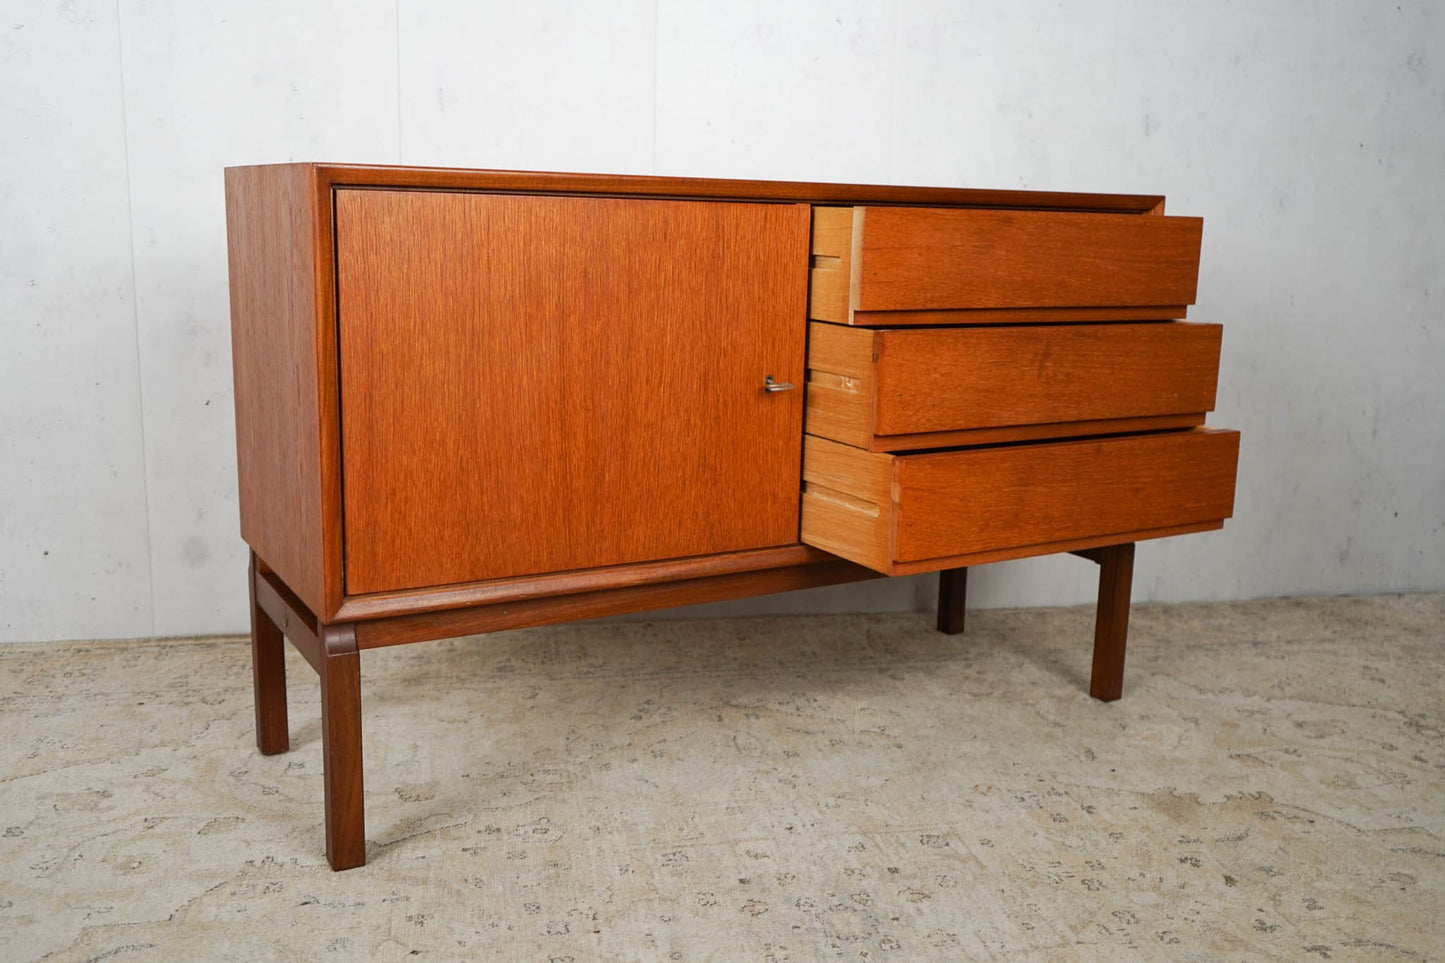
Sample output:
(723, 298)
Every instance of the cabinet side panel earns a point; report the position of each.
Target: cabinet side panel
(270, 226)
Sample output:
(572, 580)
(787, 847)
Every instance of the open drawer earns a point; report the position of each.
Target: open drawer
(900, 389)
(922, 265)
(921, 512)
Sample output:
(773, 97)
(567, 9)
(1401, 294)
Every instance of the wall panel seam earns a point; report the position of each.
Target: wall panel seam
(135, 321)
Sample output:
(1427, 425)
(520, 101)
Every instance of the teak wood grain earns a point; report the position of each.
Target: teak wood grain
(543, 384)
(616, 601)
(897, 389)
(900, 514)
(1111, 624)
(847, 502)
(344, 798)
(913, 265)
(283, 353)
(280, 235)
(952, 600)
(956, 503)
(526, 398)
(522, 588)
(707, 188)
(268, 676)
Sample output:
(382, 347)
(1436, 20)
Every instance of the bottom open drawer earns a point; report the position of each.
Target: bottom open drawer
(922, 512)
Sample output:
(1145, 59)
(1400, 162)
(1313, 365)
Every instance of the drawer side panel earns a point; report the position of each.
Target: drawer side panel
(279, 349)
(847, 506)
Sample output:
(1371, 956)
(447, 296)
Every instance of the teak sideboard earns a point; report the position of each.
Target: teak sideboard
(478, 400)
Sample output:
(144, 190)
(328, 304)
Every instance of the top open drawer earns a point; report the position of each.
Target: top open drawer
(920, 265)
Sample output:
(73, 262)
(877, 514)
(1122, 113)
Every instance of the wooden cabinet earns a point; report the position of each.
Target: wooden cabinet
(474, 400)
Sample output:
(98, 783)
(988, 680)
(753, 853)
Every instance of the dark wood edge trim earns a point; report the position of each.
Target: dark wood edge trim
(1049, 431)
(958, 317)
(338, 639)
(291, 615)
(328, 399)
(357, 608)
(648, 186)
(952, 600)
(1051, 548)
(1111, 621)
(618, 601)
(343, 779)
(1198, 431)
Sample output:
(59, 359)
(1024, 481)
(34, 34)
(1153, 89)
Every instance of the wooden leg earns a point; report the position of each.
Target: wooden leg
(340, 673)
(268, 675)
(1111, 624)
(952, 591)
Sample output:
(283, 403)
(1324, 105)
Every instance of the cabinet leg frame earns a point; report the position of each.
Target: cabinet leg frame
(268, 674)
(341, 747)
(952, 596)
(1111, 622)
(332, 651)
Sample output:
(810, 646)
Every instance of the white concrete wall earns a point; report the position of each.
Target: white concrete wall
(1311, 138)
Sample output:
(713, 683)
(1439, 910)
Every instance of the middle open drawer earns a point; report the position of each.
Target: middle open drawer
(903, 389)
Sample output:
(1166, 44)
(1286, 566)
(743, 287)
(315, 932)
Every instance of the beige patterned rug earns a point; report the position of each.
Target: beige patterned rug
(819, 787)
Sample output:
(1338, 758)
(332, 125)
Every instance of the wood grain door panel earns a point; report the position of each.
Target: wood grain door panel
(537, 384)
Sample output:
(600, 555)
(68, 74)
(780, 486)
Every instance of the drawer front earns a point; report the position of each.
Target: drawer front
(910, 388)
(914, 513)
(914, 265)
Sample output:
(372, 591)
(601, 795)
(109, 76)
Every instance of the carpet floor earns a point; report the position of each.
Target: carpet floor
(1271, 786)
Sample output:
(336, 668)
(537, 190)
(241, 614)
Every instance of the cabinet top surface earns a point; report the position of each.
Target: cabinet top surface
(328, 176)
